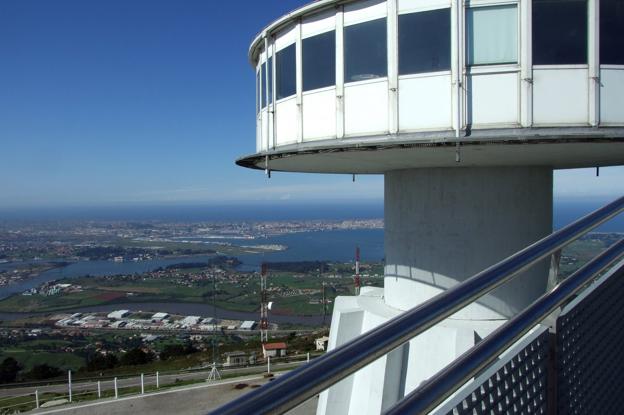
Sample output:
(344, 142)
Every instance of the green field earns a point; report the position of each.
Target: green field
(31, 357)
(241, 294)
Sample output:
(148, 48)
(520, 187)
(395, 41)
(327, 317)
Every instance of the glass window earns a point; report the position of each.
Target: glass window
(263, 96)
(270, 82)
(365, 53)
(559, 32)
(492, 35)
(286, 72)
(611, 32)
(258, 91)
(425, 41)
(319, 61)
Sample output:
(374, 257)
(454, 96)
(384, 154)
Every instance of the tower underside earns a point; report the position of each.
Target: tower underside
(442, 226)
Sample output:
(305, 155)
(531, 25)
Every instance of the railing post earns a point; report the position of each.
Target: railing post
(553, 273)
(268, 364)
(142, 385)
(37, 398)
(69, 384)
(99, 389)
(157, 381)
(308, 360)
(115, 386)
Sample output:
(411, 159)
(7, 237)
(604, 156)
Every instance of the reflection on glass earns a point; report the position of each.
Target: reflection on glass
(559, 32)
(611, 32)
(492, 35)
(286, 72)
(263, 89)
(425, 42)
(319, 61)
(365, 53)
(257, 92)
(270, 81)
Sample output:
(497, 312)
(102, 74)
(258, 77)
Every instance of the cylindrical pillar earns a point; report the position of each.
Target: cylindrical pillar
(444, 225)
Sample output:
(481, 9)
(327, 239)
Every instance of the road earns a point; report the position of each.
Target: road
(135, 381)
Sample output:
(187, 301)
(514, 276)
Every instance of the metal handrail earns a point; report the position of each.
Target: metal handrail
(296, 387)
(445, 382)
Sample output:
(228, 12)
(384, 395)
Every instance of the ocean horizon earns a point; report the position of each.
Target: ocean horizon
(565, 210)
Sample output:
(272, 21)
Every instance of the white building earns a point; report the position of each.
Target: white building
(159, 316)
(236, 359)
(274, 349)
(189, 321)
(321, 343)
(466, 108)
(247, 325)
(118, 314)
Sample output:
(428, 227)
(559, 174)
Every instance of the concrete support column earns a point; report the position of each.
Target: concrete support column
(443, 225)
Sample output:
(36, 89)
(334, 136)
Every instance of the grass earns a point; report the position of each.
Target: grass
(29, 358)
(242, 295)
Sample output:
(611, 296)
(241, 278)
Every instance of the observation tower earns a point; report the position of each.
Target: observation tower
(466, 108)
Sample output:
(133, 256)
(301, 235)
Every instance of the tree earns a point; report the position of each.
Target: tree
(136, 356)
(43, 371)
(175, 350)
(99, 361)
(8, 370)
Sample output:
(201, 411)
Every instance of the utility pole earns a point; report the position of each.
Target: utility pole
(264, 304)
(357, 270)
(214, 372)
(324, 305)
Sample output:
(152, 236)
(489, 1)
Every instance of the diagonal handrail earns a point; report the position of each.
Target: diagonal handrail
(446, 381)
(296, 387)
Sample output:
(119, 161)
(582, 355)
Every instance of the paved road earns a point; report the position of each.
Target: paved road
(190, 400)
(164, 379)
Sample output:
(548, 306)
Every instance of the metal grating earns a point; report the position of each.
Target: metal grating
(590, 362)
(519, 386)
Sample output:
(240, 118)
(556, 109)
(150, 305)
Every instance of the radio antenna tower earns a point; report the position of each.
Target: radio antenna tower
(264, 304)
(214, 372)
(324, 305)
(357, 270)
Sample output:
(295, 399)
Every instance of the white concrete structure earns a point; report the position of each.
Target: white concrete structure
(466, 108)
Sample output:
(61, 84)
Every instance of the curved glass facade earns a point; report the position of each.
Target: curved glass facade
(492, 35)
(559, 32)
(286, 72)
(319, 61)
(425, 42)
(365, 51)
(612, 32)
(427, 75)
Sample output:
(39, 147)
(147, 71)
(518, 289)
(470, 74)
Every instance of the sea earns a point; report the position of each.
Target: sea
(336, 246)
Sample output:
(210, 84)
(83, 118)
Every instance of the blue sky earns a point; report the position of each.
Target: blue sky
(143, 102)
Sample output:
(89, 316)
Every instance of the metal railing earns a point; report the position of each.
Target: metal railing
(445, 382)
(296, 387)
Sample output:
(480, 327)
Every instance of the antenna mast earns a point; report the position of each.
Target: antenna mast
(264, 305)
(214, 372)
(357, 270)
